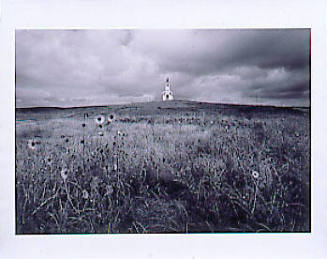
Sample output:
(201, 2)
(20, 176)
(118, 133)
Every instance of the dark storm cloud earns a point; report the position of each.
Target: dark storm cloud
(210, 51)
(89, 67)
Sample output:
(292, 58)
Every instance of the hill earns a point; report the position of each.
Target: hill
(163, 167)
(157, 108)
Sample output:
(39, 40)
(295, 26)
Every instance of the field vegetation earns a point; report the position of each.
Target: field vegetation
(177, 167)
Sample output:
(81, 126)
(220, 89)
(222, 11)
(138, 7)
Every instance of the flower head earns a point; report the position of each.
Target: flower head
(31, 144)
(48, 160)
(85, 194)
(99, 119)
(255, 174)
(111, 118)
(64, 174)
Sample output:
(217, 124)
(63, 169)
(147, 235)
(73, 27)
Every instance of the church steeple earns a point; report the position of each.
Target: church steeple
(167, 94)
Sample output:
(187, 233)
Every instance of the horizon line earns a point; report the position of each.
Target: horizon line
(133, 103)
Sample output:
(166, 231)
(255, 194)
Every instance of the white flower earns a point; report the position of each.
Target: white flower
(99, 119)
(255, 174)
(111, 118)
(31, 144)
(48, 160)
(85, 194)
(64, 174)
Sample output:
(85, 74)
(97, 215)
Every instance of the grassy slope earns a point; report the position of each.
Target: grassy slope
(173, 167)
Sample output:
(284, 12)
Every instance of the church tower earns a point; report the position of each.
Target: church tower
(167, 95)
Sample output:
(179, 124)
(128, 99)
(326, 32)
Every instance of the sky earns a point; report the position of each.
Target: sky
(70, 68)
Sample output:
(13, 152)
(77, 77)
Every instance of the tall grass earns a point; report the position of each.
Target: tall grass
(185, 173)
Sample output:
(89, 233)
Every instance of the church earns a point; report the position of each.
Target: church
(167, 95)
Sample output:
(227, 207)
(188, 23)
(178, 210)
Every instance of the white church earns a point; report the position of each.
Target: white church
(167, 95)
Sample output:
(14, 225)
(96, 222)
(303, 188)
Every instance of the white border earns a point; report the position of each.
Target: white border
(101, 14)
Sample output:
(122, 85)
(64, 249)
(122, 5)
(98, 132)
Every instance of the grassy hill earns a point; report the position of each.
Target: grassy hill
(159, 167)
(157, 108)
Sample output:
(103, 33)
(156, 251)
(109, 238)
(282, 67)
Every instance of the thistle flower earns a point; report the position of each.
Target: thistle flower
(31, 144)
(64, 174)
(255, 174)
(99, 119)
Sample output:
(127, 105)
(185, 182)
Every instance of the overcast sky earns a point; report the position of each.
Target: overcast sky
(98, 67)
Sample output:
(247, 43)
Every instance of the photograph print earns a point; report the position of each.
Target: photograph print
(162, 131)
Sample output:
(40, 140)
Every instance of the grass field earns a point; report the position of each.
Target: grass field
(173, 167)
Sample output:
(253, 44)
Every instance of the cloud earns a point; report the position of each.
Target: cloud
(98, 67)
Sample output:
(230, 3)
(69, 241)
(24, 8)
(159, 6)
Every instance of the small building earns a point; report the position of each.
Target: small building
(167, 95)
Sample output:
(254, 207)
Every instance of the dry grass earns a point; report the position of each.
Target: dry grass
(178, 172)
